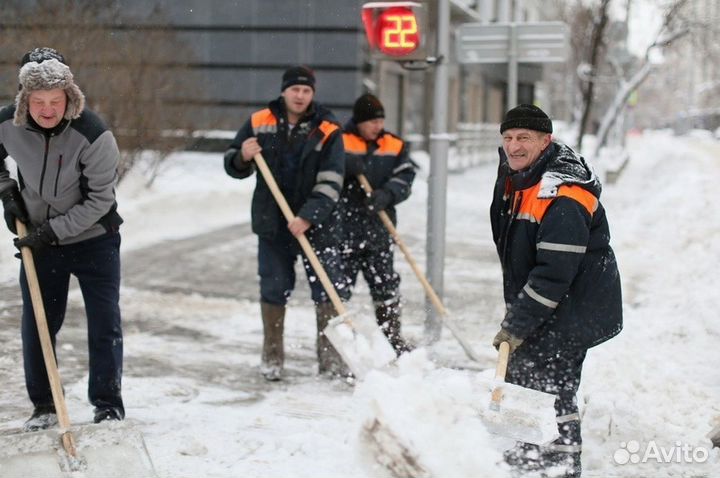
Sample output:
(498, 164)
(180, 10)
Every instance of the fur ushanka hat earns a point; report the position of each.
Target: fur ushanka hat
(44, 69)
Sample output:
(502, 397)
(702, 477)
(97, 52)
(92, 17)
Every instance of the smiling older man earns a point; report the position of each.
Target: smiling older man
(67, 171)
(560, 278)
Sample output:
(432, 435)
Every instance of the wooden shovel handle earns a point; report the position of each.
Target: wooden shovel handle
(437, 303)
(46, 343)
(406, 252)
(500, 371)
(304, 243)
(502, 363)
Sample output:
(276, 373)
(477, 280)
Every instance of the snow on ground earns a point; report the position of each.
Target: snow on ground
(195, 394)
(190, 195)
(657, 383)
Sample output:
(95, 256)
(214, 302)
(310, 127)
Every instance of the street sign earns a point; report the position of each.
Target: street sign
(540, 42)
(512, 43)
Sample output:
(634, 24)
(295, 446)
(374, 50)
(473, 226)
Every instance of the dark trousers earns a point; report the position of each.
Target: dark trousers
(376, 265)
(557, 373)
(276, 267)
(96, 264)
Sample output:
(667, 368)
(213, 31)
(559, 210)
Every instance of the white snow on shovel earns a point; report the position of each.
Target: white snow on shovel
(516, 412)
(361, 344)
(108, 450)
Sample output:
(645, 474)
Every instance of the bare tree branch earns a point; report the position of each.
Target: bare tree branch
(601, 20)
(669, 32)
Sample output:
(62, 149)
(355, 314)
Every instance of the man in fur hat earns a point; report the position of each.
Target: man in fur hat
(560, 277)
(67, 171)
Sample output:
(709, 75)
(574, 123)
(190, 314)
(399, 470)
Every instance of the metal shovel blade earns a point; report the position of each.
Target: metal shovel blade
(360, 343)
(523, 414)
(105, 450)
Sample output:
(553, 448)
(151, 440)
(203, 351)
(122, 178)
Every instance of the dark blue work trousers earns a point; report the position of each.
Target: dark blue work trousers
(276, 267)
(376, 265)
(96, 264)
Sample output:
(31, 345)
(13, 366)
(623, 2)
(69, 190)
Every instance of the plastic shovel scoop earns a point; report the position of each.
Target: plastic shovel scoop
(105, 450)
(360, 343)
(517, 412)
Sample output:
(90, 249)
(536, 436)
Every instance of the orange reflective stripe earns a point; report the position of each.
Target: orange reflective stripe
(354, 144)
(389, 145)
(533, 208)
(262, 118)
(583, 196)
(327, 128)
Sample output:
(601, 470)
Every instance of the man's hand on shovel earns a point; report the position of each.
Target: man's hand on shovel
(298, 226)
(40, 237)
(505, 336)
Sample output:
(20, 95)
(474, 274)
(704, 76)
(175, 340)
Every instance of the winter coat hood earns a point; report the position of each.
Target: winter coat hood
(557, 166)
(47, 75)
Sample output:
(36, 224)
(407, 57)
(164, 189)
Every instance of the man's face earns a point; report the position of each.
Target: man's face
(47, 107)
(297, 98)
(524, 146)
(370, 130)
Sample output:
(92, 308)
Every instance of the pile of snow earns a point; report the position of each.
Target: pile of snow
(432, 413)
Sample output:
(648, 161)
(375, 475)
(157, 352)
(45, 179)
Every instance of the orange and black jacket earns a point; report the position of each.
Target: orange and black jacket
(560, 277)
(307, 162)
(387, 166)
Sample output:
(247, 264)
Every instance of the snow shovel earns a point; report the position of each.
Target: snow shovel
(360, 343)
(108, 449)
(517, 412)
(439, 307)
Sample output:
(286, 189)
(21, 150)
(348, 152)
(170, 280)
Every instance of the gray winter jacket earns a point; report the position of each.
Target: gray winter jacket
(67, 175)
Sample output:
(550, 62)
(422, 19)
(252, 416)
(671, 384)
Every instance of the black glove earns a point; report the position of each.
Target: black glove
(354, 165)
(14, 208)
(38, 238)
(505, 336)
(379, 200)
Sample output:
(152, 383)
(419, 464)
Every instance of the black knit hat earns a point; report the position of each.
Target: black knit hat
(298, 75)
(527, 117)
(367, 108)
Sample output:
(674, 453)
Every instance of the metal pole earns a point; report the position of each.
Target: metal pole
(512, 69)
(437, 182)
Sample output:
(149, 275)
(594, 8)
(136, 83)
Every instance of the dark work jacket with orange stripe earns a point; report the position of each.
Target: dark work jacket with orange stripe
(560, 277)
(388, 167)
(318, 172)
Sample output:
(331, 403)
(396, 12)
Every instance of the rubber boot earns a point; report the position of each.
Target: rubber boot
(523, 458)
(329, 360)
(388, 318)
(273, 354)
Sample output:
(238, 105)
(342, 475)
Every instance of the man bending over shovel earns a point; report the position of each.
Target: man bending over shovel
(67, 169)
(302, 144)
(367, 245)
(561, 281)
